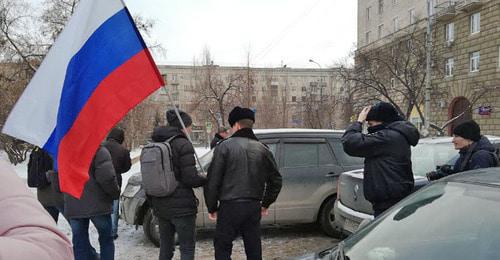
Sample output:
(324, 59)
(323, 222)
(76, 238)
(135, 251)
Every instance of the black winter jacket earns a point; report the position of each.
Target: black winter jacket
(480, 154)
(99, 191)
(242, 168)
(183, 201)
(216, 140)
(388, 171)
(120, 156)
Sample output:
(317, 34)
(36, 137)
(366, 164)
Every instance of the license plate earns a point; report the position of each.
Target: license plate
(350, 225)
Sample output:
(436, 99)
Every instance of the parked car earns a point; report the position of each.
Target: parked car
(351, 207)
(457, 217)
(310, 162)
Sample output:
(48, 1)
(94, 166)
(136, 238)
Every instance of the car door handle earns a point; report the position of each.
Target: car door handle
(332, 174)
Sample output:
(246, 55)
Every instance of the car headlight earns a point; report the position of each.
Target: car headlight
(131, 190)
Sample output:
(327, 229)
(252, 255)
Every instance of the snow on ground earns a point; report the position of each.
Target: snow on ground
(277, 243)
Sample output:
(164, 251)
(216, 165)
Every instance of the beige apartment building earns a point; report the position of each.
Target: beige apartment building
(465, 71)
(281, 97)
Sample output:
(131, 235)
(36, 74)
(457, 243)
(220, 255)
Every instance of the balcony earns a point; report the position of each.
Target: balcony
(446, 11)
(470, 5)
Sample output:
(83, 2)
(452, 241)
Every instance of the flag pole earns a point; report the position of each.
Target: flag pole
(184, 127)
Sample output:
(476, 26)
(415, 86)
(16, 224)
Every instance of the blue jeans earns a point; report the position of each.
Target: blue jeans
(82, 248)
(185, 227)
(114, 218)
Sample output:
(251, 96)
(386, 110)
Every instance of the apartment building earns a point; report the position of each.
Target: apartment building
(465, 53)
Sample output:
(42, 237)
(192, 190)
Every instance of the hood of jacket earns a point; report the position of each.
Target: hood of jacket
(162, 133)
(407, 129)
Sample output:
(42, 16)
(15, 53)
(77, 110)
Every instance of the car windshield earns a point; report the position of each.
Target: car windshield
(425, 157)
(442, 221)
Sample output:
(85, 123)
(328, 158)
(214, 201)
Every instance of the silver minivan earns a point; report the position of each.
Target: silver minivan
(310, 162)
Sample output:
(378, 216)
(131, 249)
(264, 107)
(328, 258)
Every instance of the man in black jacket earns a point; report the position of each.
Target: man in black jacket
(222, 134)
(177, 213)
(388, 175)
(121, 162)
(243, 181)
(94, 205)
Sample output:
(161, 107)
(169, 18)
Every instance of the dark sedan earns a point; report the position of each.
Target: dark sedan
(457, 217)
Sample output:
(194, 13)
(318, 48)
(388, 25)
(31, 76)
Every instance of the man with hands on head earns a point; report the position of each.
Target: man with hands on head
(243, 181)
(388, 175)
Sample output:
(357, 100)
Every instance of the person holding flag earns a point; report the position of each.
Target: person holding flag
(96, 71)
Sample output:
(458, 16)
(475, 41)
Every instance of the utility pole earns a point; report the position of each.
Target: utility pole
(428, 50)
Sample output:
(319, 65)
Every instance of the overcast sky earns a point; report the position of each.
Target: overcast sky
(274, 31)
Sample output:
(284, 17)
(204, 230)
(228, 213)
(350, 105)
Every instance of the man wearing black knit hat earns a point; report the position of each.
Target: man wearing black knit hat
(476, 151)
(243, 181)
(388, 175)
(176, 213)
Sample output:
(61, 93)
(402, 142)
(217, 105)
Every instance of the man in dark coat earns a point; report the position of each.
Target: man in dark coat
(94, 205)
(177, 213)
(388, 175)
(121, 162)
(475, 151)
(222, 134)
(243, 181)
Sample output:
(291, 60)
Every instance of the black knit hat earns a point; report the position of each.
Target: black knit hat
(383, 112)
(239, 113)
(173, 120)
(468, 130)
(116, 134)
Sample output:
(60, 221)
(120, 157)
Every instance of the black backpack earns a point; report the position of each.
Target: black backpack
(40, 162)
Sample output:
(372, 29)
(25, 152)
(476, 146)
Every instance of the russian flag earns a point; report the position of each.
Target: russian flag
(97, 70)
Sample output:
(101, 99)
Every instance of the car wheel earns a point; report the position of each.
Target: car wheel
(151, 228)
(327, 219)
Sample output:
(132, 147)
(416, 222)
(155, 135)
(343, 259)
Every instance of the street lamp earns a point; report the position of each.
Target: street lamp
(320, 89)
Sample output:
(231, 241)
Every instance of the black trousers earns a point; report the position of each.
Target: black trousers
(185, 227)
(236, 218)
(381, 206)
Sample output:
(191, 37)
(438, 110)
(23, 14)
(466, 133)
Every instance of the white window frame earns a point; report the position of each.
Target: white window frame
(367, 37)
(474, 61)
(449, 32)
(381, 6)
(475, 23)
(448, 67)
(395, 24)
(368, 13)
(380, 30)
(411, 13)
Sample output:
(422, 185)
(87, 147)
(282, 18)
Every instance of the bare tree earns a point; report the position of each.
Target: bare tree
(216, 91)
(394, 73)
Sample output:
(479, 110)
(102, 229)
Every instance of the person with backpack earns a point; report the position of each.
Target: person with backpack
(122, 163)
(475, 150)
(175, 205)
(40, 173)
(95, 204)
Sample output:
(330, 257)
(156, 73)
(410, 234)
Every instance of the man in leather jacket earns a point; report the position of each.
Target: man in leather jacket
(243, 181)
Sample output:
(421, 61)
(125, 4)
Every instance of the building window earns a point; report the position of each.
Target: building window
(448, 69)
(393, 82)
(411, 12)
(368, 13)
(449, 32)
(380, 6)
(499, 56)
(294, 99)
(475, 23)
(395, 23)
(367, 37)
(394, 2)
(174, 77)
(254, 99)
(474, 61)
(380, 31)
